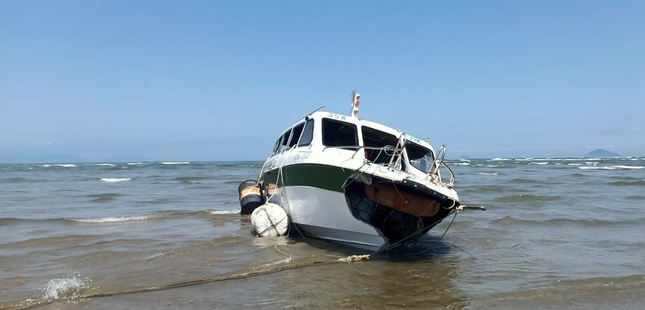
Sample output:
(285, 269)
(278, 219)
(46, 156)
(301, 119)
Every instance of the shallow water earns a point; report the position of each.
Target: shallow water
(558, 233)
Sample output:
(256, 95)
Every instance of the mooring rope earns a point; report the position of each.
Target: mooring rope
(33, 302)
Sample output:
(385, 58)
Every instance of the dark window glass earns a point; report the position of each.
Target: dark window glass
(373, 138)
(420, 157)
(285, 137)
(307, 134)
(296, 134)
(277, 144)
(337, 133)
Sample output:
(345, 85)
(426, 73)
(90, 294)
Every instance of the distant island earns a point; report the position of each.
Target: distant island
(601, 153)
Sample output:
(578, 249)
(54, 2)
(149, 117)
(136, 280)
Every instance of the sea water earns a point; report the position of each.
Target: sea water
(558, 233)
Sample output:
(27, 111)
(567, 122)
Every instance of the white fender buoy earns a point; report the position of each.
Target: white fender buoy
(269, 220)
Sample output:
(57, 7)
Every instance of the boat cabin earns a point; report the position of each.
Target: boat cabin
(352, 136)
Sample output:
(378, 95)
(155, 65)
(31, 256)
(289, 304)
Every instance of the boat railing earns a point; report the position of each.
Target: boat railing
(439, 163)
(388, 149)
(435, 170)
(359, 147)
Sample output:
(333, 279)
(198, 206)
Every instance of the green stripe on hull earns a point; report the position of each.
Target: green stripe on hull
(319, 176)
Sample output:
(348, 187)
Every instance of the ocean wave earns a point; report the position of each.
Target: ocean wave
(487, 173)
(102, 220)
(628, 183)
(525, 159)
(65, 288)
(58, 165)
(16, 180)
(500, 159)
(65, 165)
(628, 167)
(175, 162)
(106, 165)
(103, 197)
(539, 163)
(190, 180)
(153, 256)
(488, 188)
(623, 167)
(135, 164)
(575, 164)
(461, 164)
(115, 180)
(220, 212)
(596, 168)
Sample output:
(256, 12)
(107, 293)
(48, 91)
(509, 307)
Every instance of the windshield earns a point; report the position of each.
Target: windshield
(419, 156)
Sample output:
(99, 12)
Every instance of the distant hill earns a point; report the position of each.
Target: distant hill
(601, 153)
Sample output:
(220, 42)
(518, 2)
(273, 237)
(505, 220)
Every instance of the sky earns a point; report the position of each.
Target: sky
(220, 80)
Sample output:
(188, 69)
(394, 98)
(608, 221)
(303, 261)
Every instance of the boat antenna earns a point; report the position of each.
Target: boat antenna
(356, 101)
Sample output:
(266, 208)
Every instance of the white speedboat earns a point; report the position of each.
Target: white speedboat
(362, 183)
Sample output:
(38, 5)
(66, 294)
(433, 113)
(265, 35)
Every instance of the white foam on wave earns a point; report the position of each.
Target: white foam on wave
(487, 173)
(65, 288)
(115, 180)
(591, 163)
(153, 256)
(65, 165)
(135, 164)
(611, 167)
(175, 162)
(500, 159)
(539, 163)
(524, 159)
(224, 211)
(596, 168)
(491, 166)
(575, 164)
(46, 166)
(628, 167)
(101, 220)
(106, 165)
(461, 164)
(281, 261)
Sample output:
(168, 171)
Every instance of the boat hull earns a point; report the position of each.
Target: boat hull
(322, 203)
(324, 214)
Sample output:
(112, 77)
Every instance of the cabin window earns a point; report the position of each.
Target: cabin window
(420, 157)
(285, 137)
(296, 134)
(375, 141)
(337, 133)
(283, 141)
(277, 144)
(307, 134)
